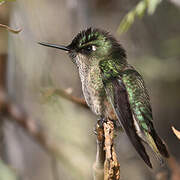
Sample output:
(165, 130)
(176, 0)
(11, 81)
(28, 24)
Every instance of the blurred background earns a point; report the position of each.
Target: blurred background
(153, 47)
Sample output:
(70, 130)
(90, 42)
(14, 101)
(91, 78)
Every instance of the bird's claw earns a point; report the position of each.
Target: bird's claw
(101, 121)
(99, 124)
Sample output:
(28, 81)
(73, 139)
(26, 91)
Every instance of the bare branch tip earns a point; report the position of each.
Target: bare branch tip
(10, 29)
(176, 132)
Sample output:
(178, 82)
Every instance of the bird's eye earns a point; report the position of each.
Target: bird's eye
(88, 49)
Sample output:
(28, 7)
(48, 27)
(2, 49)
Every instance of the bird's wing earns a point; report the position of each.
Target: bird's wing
(141, 109)
(118, 96)
(130, 101)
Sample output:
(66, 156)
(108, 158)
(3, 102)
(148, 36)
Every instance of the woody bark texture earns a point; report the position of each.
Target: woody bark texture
(111, 164)
(106, 166)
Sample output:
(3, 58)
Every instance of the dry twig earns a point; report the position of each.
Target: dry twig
(111, 165)
(10, 29)
(106, 166)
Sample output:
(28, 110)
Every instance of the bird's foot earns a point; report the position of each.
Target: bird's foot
(99, 124)
(101, 121)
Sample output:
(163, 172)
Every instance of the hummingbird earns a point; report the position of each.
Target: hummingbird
(113, 89)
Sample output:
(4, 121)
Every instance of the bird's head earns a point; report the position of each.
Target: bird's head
(91, 46)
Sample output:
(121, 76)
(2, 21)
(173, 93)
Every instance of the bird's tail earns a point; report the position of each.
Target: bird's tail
(157, 145)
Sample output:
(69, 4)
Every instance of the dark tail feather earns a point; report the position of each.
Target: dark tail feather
(135, 140)
(124, 115)
(160, 145)
(137, 143)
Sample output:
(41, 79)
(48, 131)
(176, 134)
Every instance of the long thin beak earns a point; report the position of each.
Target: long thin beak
(55, 46)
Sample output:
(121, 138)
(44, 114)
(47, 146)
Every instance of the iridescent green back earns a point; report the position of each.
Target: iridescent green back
(138, 97)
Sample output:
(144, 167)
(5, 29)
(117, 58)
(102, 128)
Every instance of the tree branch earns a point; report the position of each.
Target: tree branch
(106, 166)
(67, 96)
(111, 165)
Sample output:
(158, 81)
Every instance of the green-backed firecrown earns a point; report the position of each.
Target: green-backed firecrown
(114, 89)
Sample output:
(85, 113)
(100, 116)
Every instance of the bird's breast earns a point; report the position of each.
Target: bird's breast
(94, 92)
(93, 89)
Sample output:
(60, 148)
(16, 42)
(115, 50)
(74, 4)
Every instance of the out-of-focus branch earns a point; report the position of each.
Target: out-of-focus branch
(10, 29)
(16, 114)
(66, 95)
